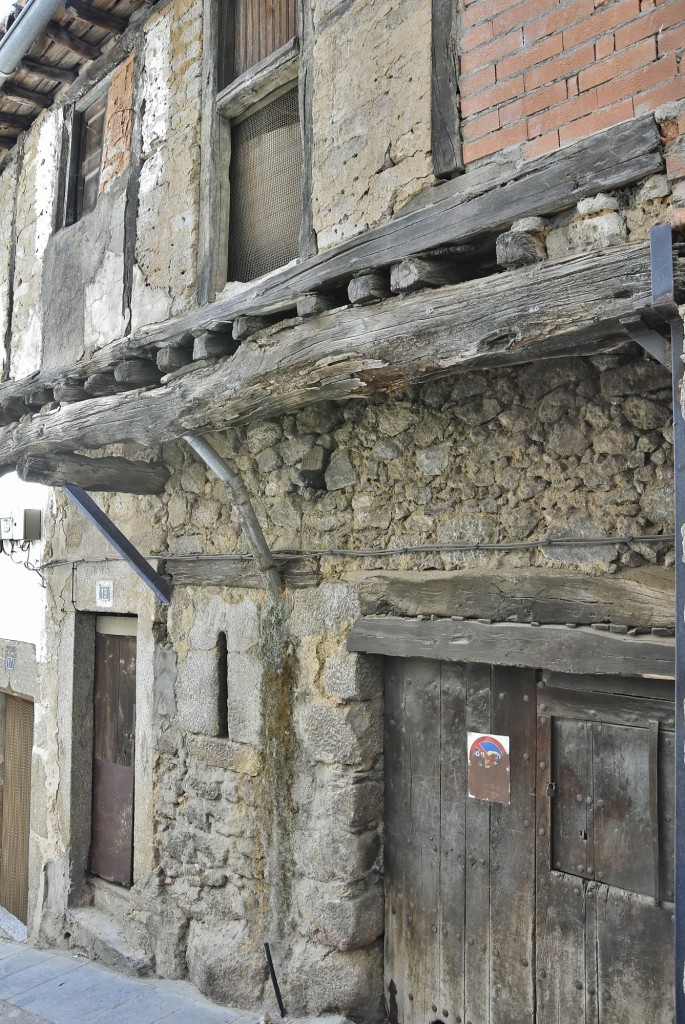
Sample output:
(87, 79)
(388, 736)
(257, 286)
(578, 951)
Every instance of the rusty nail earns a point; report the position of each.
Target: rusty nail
(526, 757)
(543, 765)
(525, 821)
(588, 800)
(502, 696)
(411, 998)
(591, 991)
(434, 1008)
(541, 831)
(543, 974)
(579, 984)
(543, 720)
(470, 942)
(576, 892)
(543, 707)
(524, 963)
(579, 797)
(526, 697)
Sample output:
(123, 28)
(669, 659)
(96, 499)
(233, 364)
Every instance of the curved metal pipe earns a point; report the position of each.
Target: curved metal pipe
(243, 507)
(23, 32)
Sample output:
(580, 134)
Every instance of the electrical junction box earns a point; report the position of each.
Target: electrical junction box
(21, 524)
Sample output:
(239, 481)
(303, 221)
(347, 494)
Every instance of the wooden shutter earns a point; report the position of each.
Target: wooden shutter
(14, 868)
(260, 27)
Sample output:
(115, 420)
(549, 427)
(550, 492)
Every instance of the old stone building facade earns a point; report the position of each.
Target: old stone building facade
(448, 426)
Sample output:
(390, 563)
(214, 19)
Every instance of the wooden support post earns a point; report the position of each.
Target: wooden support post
(519, 249)
(20, 122)
(103, 474)
(445, 137)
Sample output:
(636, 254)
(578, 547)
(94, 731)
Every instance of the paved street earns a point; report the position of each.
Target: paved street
(39, 987)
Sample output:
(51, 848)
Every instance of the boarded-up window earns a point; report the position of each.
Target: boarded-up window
(260, 27)
(266, 200)
(90, 137)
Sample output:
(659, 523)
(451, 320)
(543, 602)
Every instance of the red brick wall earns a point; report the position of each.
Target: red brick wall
(543, 73)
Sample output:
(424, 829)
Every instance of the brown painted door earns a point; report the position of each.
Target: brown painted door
(111, 851)
(555, 906)
(14, 863)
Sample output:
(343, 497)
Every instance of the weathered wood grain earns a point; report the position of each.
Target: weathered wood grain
(51, 72)
(61, 35)
(445, 137)
(239, 572)
(94, 16)
(138, 372)
(368, 288)
(519, 249)
(261, 81)
(509, 643)
(418, 272)
(557, 308)
(642, 597)
(104, 474)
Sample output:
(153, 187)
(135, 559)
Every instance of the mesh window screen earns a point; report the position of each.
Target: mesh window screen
(266, 200)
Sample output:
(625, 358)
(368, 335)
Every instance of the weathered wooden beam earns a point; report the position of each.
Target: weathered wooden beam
(170, 358)
(69, 391)
(6, 142)
(558, 648)
(245, 326)
(445, 137)
(20, 122)
(209, 571)
(61, 35)
(208, 345)
(100, 384)
(419, 272)
(93, 16)
(18, 92)
(368, 288)
(315, 302)
(137, 373)
(50, 72)
(558, 308)
(459, 211)
(277, 71)
(105, 474)
(519, 249)
(634, 597)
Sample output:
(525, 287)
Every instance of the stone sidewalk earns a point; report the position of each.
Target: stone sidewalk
(39, 987)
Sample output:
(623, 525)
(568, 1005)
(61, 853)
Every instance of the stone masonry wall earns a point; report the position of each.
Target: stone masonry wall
(371, 114)
(168, 207)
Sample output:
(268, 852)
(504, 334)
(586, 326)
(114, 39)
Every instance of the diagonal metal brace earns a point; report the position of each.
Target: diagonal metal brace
(661, 263)
(649, 339)
(121, 544)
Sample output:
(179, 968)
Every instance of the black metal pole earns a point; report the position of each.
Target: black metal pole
(274, 981)
(679, 489)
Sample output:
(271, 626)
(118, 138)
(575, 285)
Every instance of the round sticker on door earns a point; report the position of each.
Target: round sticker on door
(488, 767)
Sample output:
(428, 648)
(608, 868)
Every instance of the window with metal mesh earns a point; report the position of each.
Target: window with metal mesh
(266, 198)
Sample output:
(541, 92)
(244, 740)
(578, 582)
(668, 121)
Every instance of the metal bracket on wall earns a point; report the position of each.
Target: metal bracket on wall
(649, 339)
(664, 303)
(121, 544)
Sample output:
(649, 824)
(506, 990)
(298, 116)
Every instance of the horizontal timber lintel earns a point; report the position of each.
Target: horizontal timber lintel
(558, 648)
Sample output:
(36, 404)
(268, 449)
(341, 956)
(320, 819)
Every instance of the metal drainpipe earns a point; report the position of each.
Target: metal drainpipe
(243, 507)
(23, 32)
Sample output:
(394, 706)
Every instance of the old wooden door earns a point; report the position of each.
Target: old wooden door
(543, 909)
(605, 851)
(114, 702)
(14, 863)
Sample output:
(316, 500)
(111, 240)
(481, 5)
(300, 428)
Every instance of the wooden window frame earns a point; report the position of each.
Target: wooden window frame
(67, 213)
(225, 106)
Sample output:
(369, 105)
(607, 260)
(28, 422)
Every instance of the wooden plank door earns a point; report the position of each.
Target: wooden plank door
(14, 863)
(605, 860)
(114, 700)
(459, 871)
